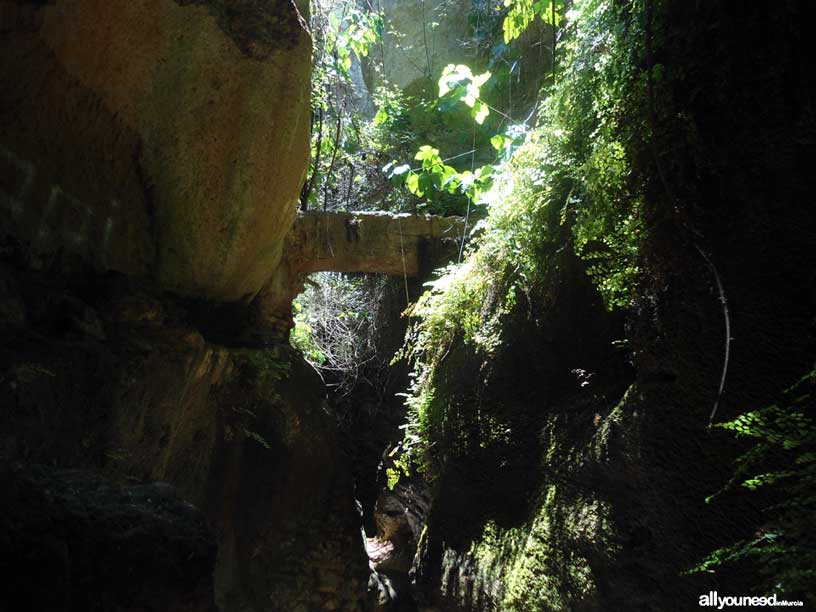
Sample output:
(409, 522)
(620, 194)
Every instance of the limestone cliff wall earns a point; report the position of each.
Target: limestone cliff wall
(423, 37)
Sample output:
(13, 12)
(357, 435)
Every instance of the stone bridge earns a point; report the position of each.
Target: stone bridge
(375, 242)
(379, 242)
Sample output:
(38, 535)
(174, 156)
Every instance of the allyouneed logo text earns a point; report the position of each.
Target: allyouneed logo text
(713, 600)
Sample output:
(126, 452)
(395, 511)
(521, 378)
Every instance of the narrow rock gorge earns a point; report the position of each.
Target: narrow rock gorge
(423, 306)
(152, 154)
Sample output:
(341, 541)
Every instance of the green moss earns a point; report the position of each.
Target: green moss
(535, 567)
(613, 422)
(568, 194)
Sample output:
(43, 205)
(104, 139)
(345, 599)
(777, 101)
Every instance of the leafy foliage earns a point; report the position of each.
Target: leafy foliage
(459, 83)
(523, 12)
(782, 463)
(353, 32)
(568, 184)
(350, 148)
(342, 35)
(434, 176)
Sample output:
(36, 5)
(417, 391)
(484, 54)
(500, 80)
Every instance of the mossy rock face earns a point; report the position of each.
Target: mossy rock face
(560, 485)
(537, 534)
(616, 514)
(156, 138)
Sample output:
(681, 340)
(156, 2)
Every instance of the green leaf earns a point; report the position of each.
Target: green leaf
(452, 75)
(480, 112)
(413, 184)
(426, 152)
(426, 183)
(485, 172)
(481, 79)
(381, 117)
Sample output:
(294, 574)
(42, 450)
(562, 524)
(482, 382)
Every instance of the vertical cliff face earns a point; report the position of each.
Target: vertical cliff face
(423, 38)
(115, 381)
(573, 475)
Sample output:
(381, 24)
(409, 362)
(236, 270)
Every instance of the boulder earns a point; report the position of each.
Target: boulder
(165, 139)
(72, 541)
